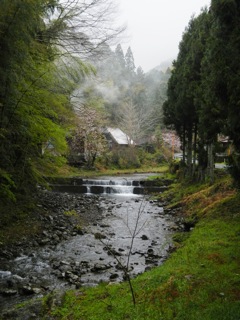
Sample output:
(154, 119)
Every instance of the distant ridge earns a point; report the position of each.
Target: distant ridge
(163, 66)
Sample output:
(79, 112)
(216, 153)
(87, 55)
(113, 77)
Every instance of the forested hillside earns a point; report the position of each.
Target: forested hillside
(38, 72)
(63, 80)
(48, 48)
(129, 98)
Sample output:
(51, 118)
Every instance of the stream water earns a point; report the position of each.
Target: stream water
(100, 252)
(117, 186)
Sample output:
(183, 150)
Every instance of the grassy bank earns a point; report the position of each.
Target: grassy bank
(201, 279)
(67, 171)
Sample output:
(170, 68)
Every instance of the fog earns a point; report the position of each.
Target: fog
(155, 27)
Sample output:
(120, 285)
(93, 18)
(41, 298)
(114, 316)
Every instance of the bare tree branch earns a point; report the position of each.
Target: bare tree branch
(81, 27)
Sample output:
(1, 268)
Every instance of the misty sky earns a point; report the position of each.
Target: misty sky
(155, 27)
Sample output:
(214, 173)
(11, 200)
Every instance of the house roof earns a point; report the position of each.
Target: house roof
(119, 136)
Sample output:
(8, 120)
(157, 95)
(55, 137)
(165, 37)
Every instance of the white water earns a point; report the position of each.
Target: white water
(116, 186)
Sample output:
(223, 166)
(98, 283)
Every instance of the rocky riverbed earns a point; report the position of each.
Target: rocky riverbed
(85, 240)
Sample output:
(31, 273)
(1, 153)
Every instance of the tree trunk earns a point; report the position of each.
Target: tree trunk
(210, 166)
(194, 150)
(184, 146)
(189, 152)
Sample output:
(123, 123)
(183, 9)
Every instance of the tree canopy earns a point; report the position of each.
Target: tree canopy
(131, 98)
(203, 91)
(43, 47)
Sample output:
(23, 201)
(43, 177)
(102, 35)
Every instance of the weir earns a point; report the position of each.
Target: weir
(116, 186)
(121, 187)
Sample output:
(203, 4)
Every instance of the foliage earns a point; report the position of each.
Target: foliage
(132, 99)
(34, 109)
(24, 116)
(203, 91)
(134, 157)
(6, 184)
(123, 158)
(87, 139)
(42, 46)
(18, 221)
(183, 101)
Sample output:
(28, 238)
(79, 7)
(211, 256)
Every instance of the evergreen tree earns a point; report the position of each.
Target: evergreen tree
(223, 62)
(203, 91)
(183, 105)
(120, 56)
(140, 74)
(130, 65)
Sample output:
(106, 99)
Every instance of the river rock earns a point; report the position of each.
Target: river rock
(113, 276)
(8, 292)
(28, 290)
(99, 236)
(57, 223)
(150, 252)
(65, 268)
(98, 267)
(43, 242)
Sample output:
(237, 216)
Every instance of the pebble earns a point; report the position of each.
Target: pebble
(57, 227)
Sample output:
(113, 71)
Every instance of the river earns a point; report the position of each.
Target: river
(127, 226)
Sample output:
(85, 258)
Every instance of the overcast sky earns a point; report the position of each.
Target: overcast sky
(155, 28)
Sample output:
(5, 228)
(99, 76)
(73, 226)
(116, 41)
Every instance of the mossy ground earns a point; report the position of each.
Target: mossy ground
(200, 280)
(18, 220)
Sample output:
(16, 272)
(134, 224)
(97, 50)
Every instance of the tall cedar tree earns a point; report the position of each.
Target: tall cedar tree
(204, 91)
(224, 62)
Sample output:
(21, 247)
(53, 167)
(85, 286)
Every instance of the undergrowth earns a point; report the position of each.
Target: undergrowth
(18, 221)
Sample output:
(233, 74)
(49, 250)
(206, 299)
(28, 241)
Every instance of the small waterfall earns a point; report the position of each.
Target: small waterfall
(116, 187)
(108, 185)
(119, 189)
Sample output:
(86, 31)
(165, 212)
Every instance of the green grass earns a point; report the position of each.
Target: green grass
(200, 280)
(67, 171)
(162, 174)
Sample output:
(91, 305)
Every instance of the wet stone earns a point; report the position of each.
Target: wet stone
(66, 253)
(43, 242)
(98, 267)
(63, 262)
(150, 251)
(99, 236)
(8, 292)
(28, 290)
(113, 276)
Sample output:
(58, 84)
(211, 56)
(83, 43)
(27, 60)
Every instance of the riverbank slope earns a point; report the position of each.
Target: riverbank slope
(200, 280)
